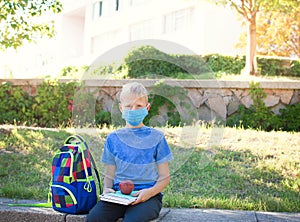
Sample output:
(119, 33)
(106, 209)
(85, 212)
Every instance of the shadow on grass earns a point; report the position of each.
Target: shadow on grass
(200, 178)
(232, 180)
(25, 162)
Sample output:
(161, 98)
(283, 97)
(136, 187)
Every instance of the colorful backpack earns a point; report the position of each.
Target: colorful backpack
(72, 188)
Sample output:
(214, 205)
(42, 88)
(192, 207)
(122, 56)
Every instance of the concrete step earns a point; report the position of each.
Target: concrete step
(37, 214)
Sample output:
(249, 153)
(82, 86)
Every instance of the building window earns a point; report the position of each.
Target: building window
(117, 5)
(178, 20)
(105, 8)
(100, 9)
(97, 9)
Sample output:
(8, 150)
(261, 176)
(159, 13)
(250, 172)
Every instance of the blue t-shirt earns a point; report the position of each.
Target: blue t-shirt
(136, 152)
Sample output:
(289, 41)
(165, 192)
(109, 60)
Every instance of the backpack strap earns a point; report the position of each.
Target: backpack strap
(74, 137)
(78, 137)
(97, 173)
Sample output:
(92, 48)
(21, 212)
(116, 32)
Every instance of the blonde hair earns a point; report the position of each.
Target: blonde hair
(134, 88)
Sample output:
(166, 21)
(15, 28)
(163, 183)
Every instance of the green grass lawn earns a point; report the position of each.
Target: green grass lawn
(241, 169)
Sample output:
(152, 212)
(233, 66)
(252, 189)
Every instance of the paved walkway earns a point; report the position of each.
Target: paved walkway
(32, 214)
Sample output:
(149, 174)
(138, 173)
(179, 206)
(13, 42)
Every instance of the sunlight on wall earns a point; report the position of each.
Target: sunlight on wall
(213, 30)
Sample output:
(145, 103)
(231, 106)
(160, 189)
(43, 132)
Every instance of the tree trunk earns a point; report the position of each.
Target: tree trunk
(251, 63)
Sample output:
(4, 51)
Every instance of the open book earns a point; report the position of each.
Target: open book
(118, 198)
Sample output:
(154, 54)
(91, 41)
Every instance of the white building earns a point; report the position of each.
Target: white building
(88, 28)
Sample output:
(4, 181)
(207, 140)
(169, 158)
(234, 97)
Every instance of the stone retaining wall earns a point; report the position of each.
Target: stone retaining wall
(209, 98)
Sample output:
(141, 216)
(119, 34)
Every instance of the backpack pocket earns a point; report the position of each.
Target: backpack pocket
(63, 197)
(87, 197)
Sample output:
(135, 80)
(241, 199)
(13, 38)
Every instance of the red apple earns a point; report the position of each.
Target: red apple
(126, 186)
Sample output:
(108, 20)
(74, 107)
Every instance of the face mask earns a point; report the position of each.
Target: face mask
(134, 117)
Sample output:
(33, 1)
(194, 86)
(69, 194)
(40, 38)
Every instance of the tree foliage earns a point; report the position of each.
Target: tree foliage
(249, 9)
(20, 21)
(276, 38)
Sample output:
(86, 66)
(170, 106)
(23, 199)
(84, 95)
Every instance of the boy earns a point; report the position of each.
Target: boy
(138, 153)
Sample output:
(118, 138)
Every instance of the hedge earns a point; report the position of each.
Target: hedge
(147, 60)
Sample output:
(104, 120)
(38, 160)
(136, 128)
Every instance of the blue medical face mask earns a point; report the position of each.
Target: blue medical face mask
(134, 117)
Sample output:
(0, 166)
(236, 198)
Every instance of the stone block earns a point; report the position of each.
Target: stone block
(227, 100)
(206, 114)
(296, 97)
(285, 95)
(247, 101)
(76, 218)
(196, 97)
(30, 214)
(217, 104)
(271, 100)
(233, 105)
(269, 91)
(238, 93)
(226, 92)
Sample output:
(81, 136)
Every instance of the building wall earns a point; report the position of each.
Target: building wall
(202, 27)
(83, 35)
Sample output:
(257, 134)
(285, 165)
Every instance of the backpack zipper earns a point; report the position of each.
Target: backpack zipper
(68, 191)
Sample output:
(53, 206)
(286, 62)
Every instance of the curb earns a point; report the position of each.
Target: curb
(38, 214)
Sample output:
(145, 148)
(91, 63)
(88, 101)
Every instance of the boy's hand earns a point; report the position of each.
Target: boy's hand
(143, 195)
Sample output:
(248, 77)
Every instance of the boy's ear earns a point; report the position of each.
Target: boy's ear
(120, 107)
(148, 106)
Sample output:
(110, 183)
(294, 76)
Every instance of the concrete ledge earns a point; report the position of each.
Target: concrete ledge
(275, 216)
(39, 214)
(29, 214)
(36, 214)
(186, 83)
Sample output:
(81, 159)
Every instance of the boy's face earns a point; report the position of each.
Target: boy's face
(134, 103)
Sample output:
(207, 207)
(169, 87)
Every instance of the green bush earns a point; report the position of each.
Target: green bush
(103, 118)
(226, 64)
(148, 61)
(295, 69)
(171, 105)
(258, 116)
(52, 106)
(272, 67)
(278, 67)
(290, 118)
(51, 103)
(15, 106)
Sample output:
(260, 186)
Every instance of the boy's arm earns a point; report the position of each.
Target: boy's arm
(109, 176)
(162, 182)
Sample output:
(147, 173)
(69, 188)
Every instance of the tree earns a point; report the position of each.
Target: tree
(249, 9)
(276, 38)
(20, 21)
